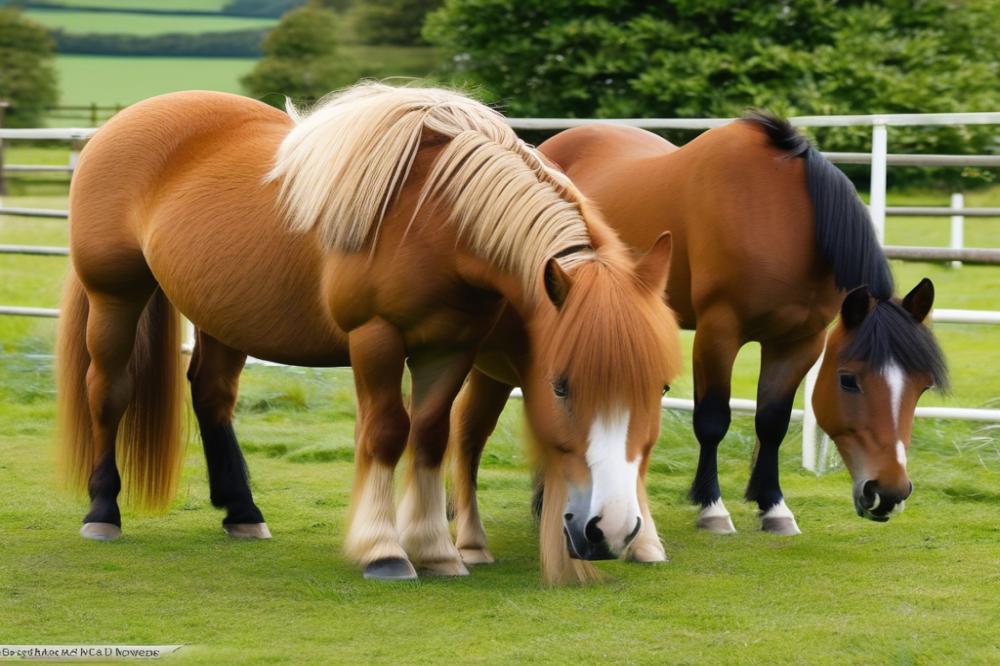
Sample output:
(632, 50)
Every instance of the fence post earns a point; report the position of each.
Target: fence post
(809, 428)
(880, 141)
(957, 226)
(3, 183)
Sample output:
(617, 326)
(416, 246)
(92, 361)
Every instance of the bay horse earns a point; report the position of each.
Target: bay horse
(768, 237)
(389, 227)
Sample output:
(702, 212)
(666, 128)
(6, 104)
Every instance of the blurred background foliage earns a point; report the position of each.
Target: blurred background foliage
(711, 58)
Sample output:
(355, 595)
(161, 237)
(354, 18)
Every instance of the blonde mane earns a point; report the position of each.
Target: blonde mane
(342, 165)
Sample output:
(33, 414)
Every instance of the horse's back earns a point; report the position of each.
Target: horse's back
(133, 154)
(178, 184)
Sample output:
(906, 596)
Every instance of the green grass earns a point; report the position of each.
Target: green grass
(117, 80)
(109, 80)
(143, 24)
(201, 5)
(919, 589)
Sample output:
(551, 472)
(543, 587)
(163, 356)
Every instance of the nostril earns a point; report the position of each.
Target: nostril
(909, 490)
(568, 517)
(635, 532)
(869, 495)
(593, 532)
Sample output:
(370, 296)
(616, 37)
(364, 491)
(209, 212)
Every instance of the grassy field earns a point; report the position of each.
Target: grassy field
(201, 5)
(919, 589)
(143, 24)
(118, 80)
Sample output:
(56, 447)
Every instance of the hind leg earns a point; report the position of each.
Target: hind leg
(111, 332)
(782, 367)
(474, 417)
(715, 348)
(423, 522)
(214, 374)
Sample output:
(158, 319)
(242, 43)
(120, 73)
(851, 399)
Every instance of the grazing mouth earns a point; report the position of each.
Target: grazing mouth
(877, 510)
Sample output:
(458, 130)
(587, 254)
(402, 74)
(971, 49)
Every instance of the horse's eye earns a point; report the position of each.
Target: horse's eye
(849, 382)
(560, 387)
(666, 389)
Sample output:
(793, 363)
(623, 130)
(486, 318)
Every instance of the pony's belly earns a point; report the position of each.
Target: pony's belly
(254, 290)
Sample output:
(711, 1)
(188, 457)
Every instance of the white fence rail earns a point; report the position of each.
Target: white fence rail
(813, 444)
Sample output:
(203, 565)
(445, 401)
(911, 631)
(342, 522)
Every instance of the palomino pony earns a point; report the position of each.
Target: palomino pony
(768, 235)
(390, 227)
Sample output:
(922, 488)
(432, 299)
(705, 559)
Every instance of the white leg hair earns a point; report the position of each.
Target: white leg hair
(423, 523)
(470, 536)
(372, 534)
(646, 547)
(715, 518)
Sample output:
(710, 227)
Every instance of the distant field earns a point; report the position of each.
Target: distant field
(108, 80)
(143, 24)
(201, 5)
(118, 80)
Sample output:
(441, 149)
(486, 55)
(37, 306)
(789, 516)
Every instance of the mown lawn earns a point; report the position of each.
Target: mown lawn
(201, 5)
(922, 588)
(143, 24)
(109, 80)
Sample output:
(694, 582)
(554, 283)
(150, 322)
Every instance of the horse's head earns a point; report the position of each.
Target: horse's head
(606, 346)
(880, 358)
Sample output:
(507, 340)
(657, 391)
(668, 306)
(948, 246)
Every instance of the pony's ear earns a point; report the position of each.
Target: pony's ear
(557, 282)
(920, 300)
(856, 306)
(654, 266)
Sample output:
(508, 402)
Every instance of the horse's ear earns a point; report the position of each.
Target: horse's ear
(920, 300)
(856, 306)
(557, 283)
(654, 266)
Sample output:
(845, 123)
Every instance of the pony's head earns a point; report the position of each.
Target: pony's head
(880, 358)
(605, 349)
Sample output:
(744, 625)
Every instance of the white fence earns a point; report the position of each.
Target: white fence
(814, 445)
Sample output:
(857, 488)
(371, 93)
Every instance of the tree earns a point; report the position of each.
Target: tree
(696, 58)
(393, 21)
(300, 60)
(27, 76)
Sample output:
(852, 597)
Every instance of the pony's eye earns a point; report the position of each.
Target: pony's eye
(560, 387)
(849, 382)
(666, 389)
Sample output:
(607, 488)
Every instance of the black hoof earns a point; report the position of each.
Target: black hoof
(390, 568)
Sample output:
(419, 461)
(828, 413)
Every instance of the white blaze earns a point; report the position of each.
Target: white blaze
(896, 380)
(613, 477)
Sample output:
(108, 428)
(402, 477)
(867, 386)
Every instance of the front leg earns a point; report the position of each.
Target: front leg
(377, 359)
(423, 522)
(782, 367)
(646, 547)
(473, 419)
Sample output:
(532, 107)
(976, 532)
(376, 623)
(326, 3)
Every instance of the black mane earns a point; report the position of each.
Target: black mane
(844, 229)
(890, 334)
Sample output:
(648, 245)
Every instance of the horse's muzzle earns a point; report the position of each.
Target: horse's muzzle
(589, 543)
(876, 503)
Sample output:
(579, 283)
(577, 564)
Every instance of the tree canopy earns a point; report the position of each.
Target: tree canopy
(27, 75)
(301, 60)
(697, 58)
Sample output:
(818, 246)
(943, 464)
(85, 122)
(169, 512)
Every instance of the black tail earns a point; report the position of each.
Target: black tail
(844, 230)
